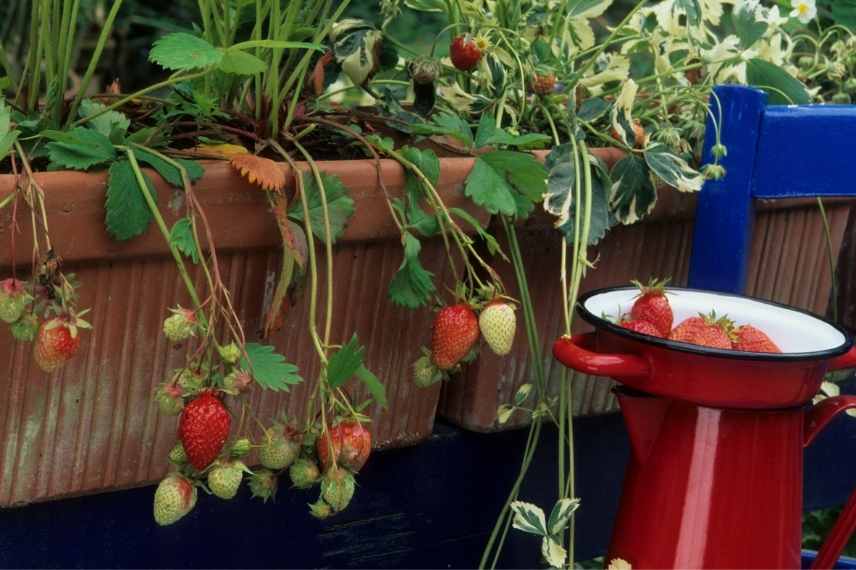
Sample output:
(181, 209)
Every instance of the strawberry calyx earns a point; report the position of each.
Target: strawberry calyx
(654, 287)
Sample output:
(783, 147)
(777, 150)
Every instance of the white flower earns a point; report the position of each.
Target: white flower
(803, 10)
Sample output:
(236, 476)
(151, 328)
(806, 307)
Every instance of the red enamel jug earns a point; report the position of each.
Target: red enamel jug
(717, 436)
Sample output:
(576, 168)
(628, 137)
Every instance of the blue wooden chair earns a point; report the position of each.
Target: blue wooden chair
(774, 152)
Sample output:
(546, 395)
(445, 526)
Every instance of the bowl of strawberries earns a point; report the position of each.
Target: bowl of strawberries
(706, 347)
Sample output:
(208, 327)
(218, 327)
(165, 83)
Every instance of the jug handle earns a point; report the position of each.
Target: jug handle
(574, 352)
(846, 360)
(818, 418)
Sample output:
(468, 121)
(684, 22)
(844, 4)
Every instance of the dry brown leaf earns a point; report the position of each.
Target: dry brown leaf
(260, 171)
(224, 150)
(294, 252)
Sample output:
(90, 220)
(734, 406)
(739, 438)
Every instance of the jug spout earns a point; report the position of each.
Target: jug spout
(643, 416)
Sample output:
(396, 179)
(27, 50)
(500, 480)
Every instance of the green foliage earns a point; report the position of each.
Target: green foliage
(345, 362)
(181, 237)
(241, 63)
(112, 124)
(8, 136)
(499, 178)
(167, 171)
(340, 206)
(781, 88)
(78, 149)
(270, 370)
(412, 286)
(632, 196)
(672, 169)
(128, 214)
(415, 216)
(182, 51)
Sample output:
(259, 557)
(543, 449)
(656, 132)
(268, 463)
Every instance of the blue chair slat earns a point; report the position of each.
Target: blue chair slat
(723, 224)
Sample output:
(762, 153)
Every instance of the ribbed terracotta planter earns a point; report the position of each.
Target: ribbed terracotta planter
(789, 264)
(93, 426)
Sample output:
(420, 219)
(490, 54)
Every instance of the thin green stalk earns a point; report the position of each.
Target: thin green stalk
(161, 224)
(831, 258)
(172, 80)
(106, 30)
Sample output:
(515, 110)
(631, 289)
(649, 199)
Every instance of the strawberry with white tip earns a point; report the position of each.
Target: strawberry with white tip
(498, 323)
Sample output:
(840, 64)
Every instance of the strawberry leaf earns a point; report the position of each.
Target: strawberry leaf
(412, 285)
(506, 182)
(339, 205)
(417, 218)
(449, 124)
(373, 384)
(345, 362)
(182, 51)
(79, 149)
(112, 124)
(632, 196)
(559, 200)
(7, 135)
(672, 169)
(241, 63)
(181, 236)
(128, 214)
(270, 370)
(167, 171)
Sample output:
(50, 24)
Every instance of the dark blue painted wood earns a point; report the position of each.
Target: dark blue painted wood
(806, 151)
(723, 223)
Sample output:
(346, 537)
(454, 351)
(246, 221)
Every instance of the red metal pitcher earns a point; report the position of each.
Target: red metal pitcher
(717, 436)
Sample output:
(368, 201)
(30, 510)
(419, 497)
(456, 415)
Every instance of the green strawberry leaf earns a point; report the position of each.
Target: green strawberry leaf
(241, 63)
(506, 182)
(749, 29)
(417, 218)
(112, 124)
(181, 237)
(449, 124)
(270, 370)
(167, 171)
(488, 134)
(781, 87)
(633, 195)
(345, 362)
(7, 135)
(182, 51)
(78, 149)
(373, 384)
(412, 286)
(128, 214)
(559, 200)
(340, 206)
(592, 109)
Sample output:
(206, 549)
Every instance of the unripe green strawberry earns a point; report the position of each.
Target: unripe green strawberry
(13, 300)
(25, 328)
(263, 484)
(237, 381)
(190, 381)
(498, 324)
(224, 479)
(174, 498)
(425, 373)
(169, 399)
(280, 448)
(320, 510)
(337, 488)
(180, 326)
(304, 473)
(241, 447)
(230, 353)
(177, 454)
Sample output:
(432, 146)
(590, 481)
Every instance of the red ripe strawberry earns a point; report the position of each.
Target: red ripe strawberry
(349, 441)
(466, 52)
(705, 330)
(643, 327)
(203, 429)
(752, 339)
(543, 83)
(456, 330)
(57, 341)
(652, 306)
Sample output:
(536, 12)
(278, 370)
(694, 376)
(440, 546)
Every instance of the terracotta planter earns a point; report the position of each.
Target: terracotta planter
(789, 264)
(93, 425)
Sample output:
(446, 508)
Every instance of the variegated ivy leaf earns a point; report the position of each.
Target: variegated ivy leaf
(529, 518)
(561, 515)
(554, 553)
(354, 44)
(672, 169)
(622, 119)
(503, 413)
(580, 12)
(559, 200)
(632, 196)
